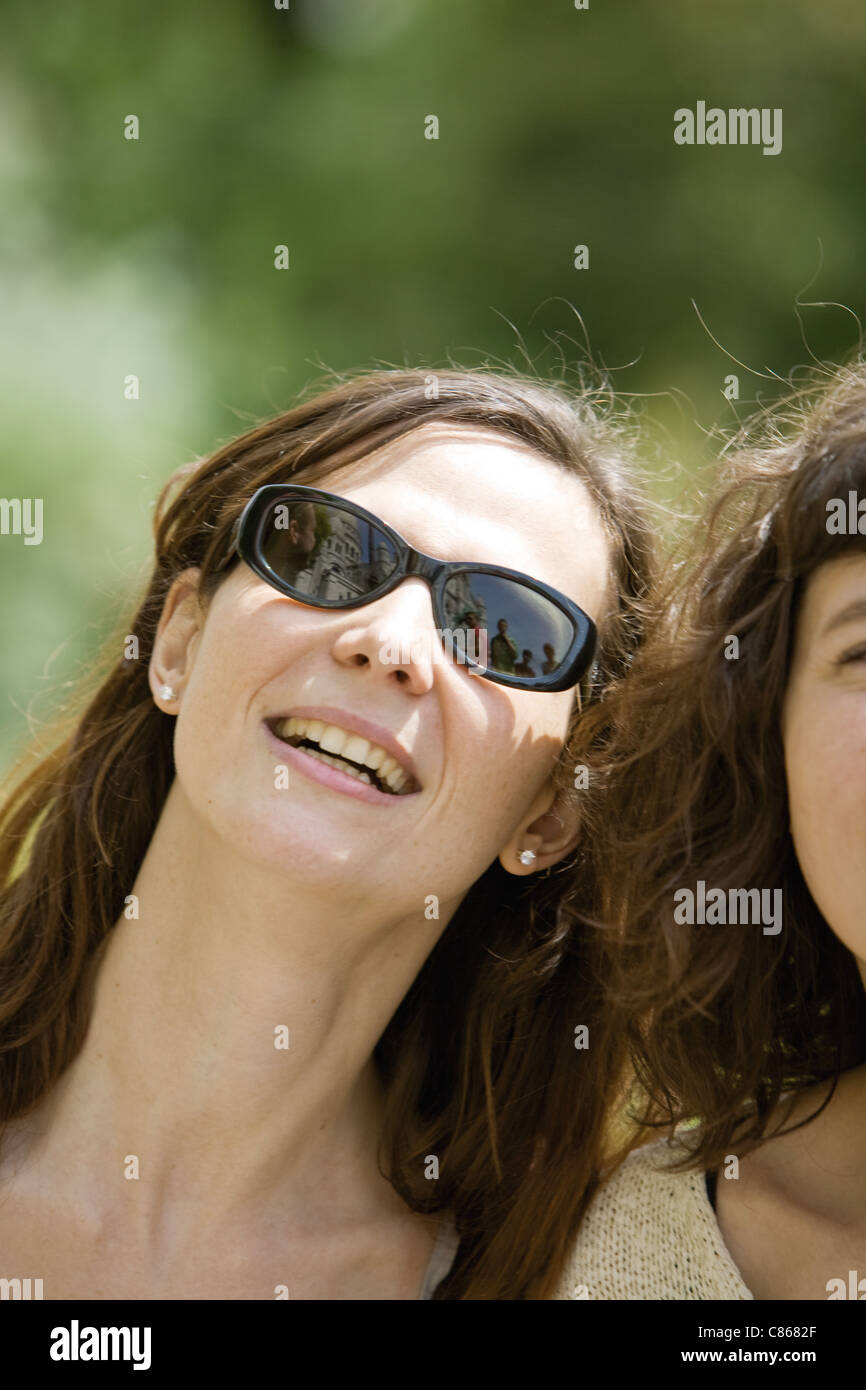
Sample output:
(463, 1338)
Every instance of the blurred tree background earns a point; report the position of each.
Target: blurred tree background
(306, 126)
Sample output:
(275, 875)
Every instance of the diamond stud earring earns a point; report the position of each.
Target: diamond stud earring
(527, 856)
(166, 692)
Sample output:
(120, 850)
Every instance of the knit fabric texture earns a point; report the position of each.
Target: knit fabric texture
(442, 1258)
(651, 1234)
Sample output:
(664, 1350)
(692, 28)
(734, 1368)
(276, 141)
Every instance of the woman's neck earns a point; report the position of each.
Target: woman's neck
(229, 1053)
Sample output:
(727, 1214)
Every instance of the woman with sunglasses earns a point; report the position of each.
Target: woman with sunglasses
(289, 993)
(737, 781)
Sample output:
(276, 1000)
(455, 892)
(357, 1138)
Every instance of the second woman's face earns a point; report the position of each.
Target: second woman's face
(482, 752)
(824, 732)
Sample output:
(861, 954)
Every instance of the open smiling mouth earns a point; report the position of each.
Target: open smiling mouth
(349, 753)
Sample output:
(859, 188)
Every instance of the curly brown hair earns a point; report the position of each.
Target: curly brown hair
(721, 1023)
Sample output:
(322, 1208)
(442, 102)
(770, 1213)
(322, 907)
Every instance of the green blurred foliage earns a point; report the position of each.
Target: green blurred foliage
(306, 126)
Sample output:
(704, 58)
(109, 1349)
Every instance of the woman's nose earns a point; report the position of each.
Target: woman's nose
(396, 633)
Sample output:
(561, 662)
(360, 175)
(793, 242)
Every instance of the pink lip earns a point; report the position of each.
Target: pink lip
(330, 776)
(374, 733)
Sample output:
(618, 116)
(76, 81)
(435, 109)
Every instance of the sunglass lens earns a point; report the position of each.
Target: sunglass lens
(509, 627)
(325, 551)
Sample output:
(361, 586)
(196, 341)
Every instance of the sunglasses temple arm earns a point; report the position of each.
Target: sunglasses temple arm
(233, 545)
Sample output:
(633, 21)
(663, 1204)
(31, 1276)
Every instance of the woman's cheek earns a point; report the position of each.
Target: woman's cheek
(826, 769)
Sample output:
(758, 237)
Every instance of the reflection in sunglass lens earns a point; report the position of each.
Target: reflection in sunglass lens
(327, 553)
(521, 631)
(324, 551)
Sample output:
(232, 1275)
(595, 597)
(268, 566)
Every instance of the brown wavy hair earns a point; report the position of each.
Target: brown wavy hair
(721, 1023)
(479, 1059)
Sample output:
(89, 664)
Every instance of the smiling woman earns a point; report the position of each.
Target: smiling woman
(291, 953)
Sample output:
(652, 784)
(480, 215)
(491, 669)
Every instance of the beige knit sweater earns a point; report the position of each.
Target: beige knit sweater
(651, 1234)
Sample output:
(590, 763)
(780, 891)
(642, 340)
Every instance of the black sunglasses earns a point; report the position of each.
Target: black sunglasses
(326, 551)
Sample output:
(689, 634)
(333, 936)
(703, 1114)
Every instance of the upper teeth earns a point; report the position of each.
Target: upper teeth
(333, 739)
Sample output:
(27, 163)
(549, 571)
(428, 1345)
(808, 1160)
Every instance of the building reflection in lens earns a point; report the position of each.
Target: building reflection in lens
(329, 553)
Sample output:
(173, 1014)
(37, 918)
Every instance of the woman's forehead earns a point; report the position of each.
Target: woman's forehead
(466, 493)
(832, 588)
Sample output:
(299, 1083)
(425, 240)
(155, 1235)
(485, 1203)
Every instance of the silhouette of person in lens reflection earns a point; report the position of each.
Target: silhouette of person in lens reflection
(475, 640)
(503, 649)
(525, 667)
(551, 663)
(289, 548)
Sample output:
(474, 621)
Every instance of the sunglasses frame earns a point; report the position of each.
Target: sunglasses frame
(246, 543)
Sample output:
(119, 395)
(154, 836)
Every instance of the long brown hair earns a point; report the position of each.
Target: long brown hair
(479, 1059)
(722, 1022)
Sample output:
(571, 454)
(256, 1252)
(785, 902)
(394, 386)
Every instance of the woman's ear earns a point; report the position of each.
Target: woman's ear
(551, 830)
(176, 636)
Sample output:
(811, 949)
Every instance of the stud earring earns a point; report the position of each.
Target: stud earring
(166, 693)
(527, 856)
